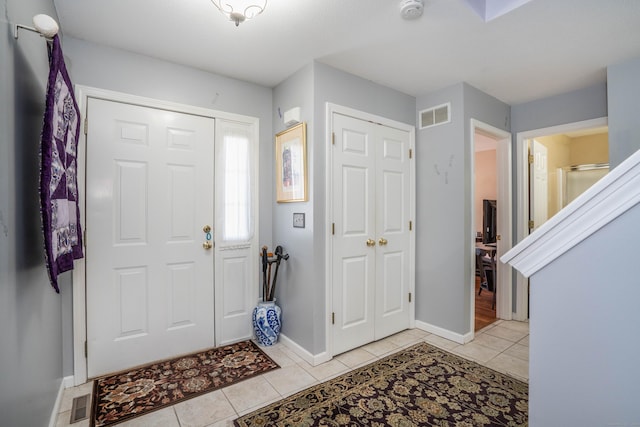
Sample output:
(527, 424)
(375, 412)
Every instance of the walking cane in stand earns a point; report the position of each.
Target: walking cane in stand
(279, 257)
(264, 274)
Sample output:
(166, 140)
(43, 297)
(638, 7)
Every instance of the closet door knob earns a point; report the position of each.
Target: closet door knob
(382, 241)
(371, 242)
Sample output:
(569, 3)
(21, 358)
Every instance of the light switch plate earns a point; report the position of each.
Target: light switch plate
(298, 220)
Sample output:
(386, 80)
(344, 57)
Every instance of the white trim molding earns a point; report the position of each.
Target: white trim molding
(445, 333)
(312, 359)
(607, 199)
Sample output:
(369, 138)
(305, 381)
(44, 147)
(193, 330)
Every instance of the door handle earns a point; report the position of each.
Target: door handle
(371, 242)
(207, 245)
(382, 241)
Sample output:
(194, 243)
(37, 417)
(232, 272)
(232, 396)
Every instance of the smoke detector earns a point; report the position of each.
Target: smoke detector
(411, 9)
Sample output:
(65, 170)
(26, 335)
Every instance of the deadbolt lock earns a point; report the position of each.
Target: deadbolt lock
(206, 228)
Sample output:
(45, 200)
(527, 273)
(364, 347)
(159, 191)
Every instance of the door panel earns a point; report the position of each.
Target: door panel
(236, 248)
(354, 261)
(540, 185)
(392, 218)
(370, 179)
(149, 193)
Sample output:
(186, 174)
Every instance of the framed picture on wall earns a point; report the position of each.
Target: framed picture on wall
(291, 164)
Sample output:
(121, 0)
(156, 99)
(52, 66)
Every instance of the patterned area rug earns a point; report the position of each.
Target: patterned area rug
(420, 386)
(123, 396)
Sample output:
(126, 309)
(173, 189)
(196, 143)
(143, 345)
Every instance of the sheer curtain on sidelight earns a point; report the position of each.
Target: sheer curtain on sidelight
(237, 221)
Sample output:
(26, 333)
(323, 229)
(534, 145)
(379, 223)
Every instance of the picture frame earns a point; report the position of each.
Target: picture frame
(291, 164)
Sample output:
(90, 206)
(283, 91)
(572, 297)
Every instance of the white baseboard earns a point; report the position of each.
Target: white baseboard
(53, 419)
(445, 333)
(312, 359)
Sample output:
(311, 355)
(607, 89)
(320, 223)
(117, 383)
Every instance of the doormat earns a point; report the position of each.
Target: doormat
(129, 394)
(419, 386)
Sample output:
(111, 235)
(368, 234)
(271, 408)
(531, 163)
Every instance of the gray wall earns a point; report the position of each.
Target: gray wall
(583, 362)
(296, 287)
(302, 291)
(31, 363)
(584, 104)
(624, 98)
(444, 209)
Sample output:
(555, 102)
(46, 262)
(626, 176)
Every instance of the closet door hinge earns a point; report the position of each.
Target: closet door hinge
(333, 228)
(333, 138)
(86, 125)
(410, 153)
(86, 350)
(409, 296)
(410, 225)
(531, 225)
(333, 318)
(530, 159)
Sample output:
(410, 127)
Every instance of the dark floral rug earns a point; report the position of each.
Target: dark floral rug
(123, 396)
(419, 386)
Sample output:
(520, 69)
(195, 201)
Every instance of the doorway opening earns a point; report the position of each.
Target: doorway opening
(485, 203)
(491, 286)
(554, 166)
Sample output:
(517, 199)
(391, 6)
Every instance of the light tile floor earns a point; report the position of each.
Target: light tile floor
(503, 346)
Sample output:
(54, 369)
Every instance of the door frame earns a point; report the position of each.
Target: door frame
(522, 191)
(83, 93)
(357, 114)
(504, 193)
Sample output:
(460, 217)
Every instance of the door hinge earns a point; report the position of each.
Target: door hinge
(410, 153)
(86, 350)
(410, 225)
(531, 224)
(86, 125)
(333, 318)
(409, 296)
(530, 159)
(333, 138)
(333, 228)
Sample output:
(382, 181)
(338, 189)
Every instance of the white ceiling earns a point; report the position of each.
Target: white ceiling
(543, 48)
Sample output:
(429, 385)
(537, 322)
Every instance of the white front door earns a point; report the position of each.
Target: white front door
(149, 193)
(371, 244)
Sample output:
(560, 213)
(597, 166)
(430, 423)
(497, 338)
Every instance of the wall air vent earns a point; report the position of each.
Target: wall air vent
(434, 116)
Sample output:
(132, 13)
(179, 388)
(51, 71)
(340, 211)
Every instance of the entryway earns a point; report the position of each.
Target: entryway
(372, 191)
(163, 275)
(554, 166)
(491, 286)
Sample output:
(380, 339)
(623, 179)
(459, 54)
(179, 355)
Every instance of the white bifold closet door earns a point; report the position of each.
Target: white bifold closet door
(150, 192)
(371, 241)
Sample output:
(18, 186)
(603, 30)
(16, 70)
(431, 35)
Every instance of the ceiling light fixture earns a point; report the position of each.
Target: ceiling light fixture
(240, 10)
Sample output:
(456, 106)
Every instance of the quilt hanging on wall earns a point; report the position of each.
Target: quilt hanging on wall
(58, 182)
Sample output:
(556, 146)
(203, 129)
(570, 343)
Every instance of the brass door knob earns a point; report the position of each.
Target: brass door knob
(371, 242)
(207, 245)
(382, 241)
(206, 228)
